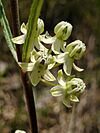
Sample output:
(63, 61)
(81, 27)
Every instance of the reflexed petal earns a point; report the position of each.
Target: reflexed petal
(39, 46)
(34, 55)
(37, 72)
(19, 39)
(66, 102)
(60, 78)
(48, 76)
(40, 26)
(61, 58)
(56, 91)
(73, 98)
(50, 66)
(56, 46)
(23, 28)
(68, 65)
(47, 40)
(26, 66)
(77, 68)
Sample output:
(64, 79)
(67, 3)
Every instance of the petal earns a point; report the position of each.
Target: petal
(73, 52)
(48, 76)
(77, 68)
(47, 40)
(51, 61)
(68, 65)
(56, 91)
(50, 66)
(61, 58)
(23, 28)
(56, 46)
(26, 66)
(39, 46)
(73, 98)
(37, 72)
(60, 78)
(66, 102)
(19, 39)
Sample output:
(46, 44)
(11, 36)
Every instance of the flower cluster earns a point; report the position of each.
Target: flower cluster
(43, 59)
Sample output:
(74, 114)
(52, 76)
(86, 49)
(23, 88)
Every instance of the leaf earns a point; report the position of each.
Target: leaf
(32, 27)
(60, 78)
(48, 76)
(19, 39)
(56, 91)
(7, 31)
(77, 68)
(26, 66)
(73, 98)
(68, 65)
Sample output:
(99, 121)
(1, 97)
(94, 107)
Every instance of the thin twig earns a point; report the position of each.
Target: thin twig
(27, 88)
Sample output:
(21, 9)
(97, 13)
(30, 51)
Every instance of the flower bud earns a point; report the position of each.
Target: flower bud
(63, 30)
(40, 26)
(76, 49)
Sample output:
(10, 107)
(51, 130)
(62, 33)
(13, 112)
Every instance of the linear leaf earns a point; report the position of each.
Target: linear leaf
(32, 25)
(7, 32)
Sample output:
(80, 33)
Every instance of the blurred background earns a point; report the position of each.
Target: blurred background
(53, 116)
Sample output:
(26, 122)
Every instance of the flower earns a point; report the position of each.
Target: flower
(21, 39)
(39, 66)
(63, 30)
(73, 51)
(68, 89)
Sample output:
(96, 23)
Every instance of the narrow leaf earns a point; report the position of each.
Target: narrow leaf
(7, 31)
(31, 32)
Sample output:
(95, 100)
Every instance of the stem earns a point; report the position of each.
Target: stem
(15, 24)
(27, 88)
(71, 123)
(30, 103)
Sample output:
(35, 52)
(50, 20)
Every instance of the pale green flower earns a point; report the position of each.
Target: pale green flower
(76, 49)
(63, 30)
(73, 51)
(69, 89)
(36, 43)
(39, 67)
